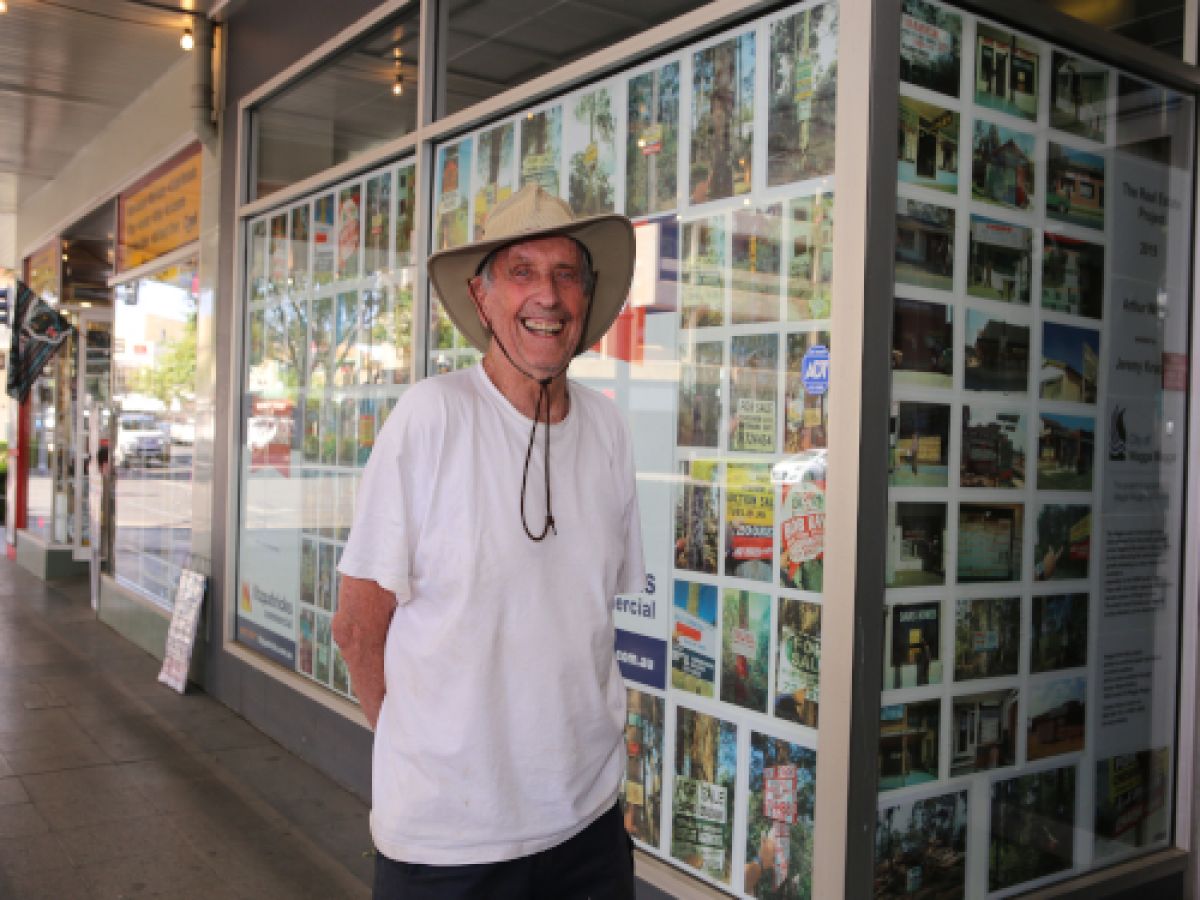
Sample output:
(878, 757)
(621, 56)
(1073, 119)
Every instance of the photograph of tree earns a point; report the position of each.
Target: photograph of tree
(652, 142)
(810, 257)
(541, 149)
(984, 729)
(916, 544)
(1078, 96)
(912, 654)
(922, 343)
(304, 652)
(450, 195)
(702, 273)
(803, 91)
(349, 231)
(722, 120)
(645, 715)
(1002, 166)
(987, 637)
(1001, 261)
(694, 638)
(256, 267)
(996, 353)
(924, 244)
(1066, 450)
(993, 448)
(704, 797)
(1006, 72)
(697, 500)
(1033, 827)
(927, 152)
(277, 252)
(322, 645)
(802, 522)
(494, 172)
(930, 46)
(1131, 801)
(756, 252)
(592, 153)
(749, 521)
(298, 251)
(340, 677)
(406, 187)
(308, 572)
(1070, 363)
(1063, 543)
(753, 390)
(779, 819)
(921, 849)
(989, 541)
(377, 223)
(699, 420)
(798, 665)
(1056, 714)
(920, 445)
(1072, 276)
(745, 648)
(806, 415)
(1059, 629)
(1074, 186)
(908, 744)
(324, 245)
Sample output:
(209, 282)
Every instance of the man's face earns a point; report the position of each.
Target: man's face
(535, 302)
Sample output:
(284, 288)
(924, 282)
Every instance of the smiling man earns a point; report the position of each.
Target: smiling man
(496, 521)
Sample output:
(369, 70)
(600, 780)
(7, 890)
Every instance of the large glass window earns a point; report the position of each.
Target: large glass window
(153, 431)
(329, 312)
(364, 96)
(722, 154)
(1043, 245)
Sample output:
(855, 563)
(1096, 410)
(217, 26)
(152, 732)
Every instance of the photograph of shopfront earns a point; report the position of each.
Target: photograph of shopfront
(716, 365)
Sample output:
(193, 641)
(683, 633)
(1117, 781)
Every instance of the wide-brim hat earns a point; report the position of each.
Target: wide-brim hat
(529, 214)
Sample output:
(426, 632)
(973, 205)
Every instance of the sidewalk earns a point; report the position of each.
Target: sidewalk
(112, 785)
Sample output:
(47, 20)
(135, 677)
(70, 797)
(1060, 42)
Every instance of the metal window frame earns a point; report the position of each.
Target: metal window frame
(863, 279)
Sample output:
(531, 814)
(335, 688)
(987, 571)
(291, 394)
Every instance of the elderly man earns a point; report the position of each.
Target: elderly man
(496, 520)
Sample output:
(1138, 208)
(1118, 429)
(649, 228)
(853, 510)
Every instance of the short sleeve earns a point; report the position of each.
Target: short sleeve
(378, 547)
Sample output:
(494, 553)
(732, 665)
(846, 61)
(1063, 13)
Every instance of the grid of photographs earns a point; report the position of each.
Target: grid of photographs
(729, 160)
(998, 359)
(329, 327)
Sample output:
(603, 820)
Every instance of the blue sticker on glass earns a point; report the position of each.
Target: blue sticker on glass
(815, 370)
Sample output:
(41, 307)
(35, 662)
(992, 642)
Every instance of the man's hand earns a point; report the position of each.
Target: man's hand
(360, 629)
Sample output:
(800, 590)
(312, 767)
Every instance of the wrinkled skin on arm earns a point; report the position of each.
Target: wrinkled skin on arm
(360, 629)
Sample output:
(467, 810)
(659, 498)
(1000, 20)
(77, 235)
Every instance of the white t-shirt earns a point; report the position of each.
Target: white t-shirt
(501, 733)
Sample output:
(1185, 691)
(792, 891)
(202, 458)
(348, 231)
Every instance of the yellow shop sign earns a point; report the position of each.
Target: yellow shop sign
(162, 211)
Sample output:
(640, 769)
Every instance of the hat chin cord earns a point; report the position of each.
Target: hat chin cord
(543, 396)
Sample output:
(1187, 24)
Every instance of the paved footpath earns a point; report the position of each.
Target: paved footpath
(114, 786)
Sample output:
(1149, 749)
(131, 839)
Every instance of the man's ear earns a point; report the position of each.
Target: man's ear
(478, 295)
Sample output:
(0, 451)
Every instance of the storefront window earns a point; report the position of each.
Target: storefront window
(153, 429)
(720, 362)
(328, 328)
(364, 96)
(43, 274)
(1027, 729)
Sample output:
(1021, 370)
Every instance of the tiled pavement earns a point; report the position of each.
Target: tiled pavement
(114, 786)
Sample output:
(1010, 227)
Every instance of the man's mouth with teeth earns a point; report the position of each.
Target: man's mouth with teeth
(542, 326)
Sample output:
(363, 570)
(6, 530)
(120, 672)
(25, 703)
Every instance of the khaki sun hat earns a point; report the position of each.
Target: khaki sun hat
(529, 214)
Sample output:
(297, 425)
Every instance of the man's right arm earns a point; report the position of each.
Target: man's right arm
(360, 628)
